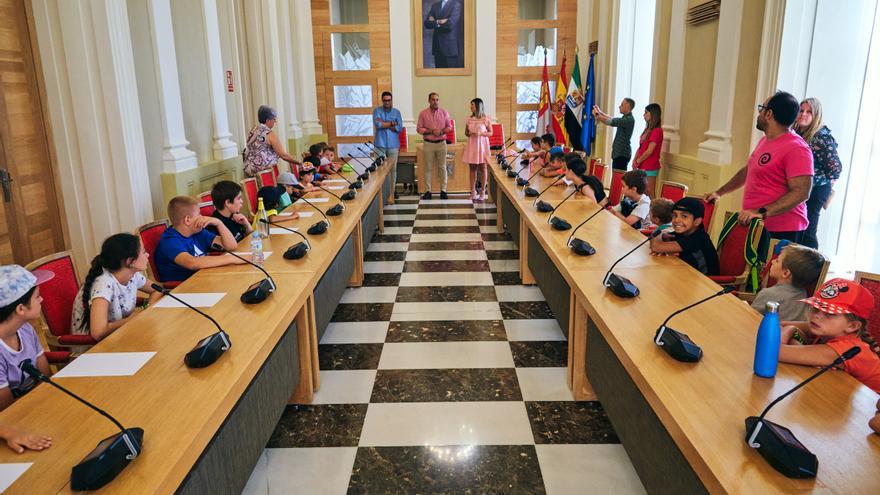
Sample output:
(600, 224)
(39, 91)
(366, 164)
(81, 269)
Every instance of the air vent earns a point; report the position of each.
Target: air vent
(704, 12)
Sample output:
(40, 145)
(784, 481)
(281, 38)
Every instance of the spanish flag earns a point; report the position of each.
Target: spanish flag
(558, 108)
(544, 125)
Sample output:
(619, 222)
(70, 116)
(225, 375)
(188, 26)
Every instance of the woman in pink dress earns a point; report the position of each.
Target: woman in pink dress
(476, 151)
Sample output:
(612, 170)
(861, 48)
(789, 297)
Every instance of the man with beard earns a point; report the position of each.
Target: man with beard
(779, 173)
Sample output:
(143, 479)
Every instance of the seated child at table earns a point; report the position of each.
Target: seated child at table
(228, 203)
(836, 321)
(20, 302)
(272, 197)
(548, 143)
(307, 180)
(636, 207)
(795, 269)
(19, 440)
(108, 296)
(290, 190)
(536, 152)
(587, 185)
(183, 247)
(310, 165)
(328, 162)
(689, 240)
(660, 216)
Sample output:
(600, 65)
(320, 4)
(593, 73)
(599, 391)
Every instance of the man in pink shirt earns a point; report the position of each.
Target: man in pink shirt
(433, 125)
(779, 174)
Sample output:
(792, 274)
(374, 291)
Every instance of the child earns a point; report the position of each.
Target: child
(661, 214)
(108, 297)
(290, 190)
(837, 321)
(634, 184)
(330, 160)
(795, 269)
(271, 197)
(689, 239)
(182, 247)
(548, 144)
(19, 440)
(536, 153)
(587, 185)
(228, 202)
(555, 167)
(310, 165)
(20, 302)
(307, 179)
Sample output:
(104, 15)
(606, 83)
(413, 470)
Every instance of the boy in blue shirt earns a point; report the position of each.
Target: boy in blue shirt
(183, 247)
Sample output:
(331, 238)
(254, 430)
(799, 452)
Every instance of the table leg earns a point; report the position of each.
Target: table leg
(525, 273)
(577, 351)
(313, 341)
(357, 275)
(304, 392)
(499, 222)
(382, 212)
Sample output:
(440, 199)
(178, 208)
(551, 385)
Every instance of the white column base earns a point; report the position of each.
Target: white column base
(178, 159)
(311, 128)
(294, 131)
(671, 139)
(717, 149)
(224, 148)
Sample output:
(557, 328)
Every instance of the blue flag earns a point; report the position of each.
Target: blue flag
(588, 127)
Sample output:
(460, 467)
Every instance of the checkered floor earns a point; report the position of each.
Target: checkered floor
(443, 375)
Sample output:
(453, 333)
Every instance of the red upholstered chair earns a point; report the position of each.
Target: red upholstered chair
(599, 169)
(708, 211)
(616, 190)
(404, 140)
(496, 140)
(673, 191)
(734, 268)
(249, 190)
(871, 281)
(275, 172)
(450, 136)
(267, 177)
(206, 208)
(150, 234)
(205, 197)
(59, 296)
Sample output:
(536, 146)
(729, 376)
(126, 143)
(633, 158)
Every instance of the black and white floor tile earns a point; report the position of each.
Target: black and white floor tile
(443, 374)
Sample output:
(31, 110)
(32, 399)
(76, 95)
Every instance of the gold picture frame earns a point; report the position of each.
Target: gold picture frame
(424, 39)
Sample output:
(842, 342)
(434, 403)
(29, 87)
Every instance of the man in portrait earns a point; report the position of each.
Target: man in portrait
(445, 19)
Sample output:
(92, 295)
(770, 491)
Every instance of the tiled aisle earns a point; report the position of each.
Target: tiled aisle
(443, 375)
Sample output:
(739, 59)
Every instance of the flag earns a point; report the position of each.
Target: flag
(558, 108)
(588, 126)
(574, 105)
(544, 125)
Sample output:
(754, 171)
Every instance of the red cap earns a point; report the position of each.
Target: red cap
(841, 296)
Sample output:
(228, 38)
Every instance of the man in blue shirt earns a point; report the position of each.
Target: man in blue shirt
(388, 124)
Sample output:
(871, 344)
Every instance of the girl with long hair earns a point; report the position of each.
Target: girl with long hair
(476, 152)
(650, 143)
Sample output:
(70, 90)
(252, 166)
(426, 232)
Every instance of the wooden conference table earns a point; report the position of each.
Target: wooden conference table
(206, 428)
(682, 424)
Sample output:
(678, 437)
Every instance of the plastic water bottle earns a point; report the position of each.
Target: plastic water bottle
(257, 255)
(767, 343)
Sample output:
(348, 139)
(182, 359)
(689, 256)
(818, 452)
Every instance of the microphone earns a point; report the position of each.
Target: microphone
(259, 291)
(372, 166)
(320, 227)
(296, 251)
(544, 206)
(502, 160)
(348, 196)
(504, 147)
(510, 172)
(525, 182)
(351, 185)
(622, 286)
(777, 444)
(110, 456)
(366, 173)
(210, 348)
(559, 223)
(677, 344)
(377, 150)
(579, 246)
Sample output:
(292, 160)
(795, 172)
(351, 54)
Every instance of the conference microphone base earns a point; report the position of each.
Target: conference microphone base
(779, 447)
(544, 207)
(208, 350)
(621, 286)
(107, 460)
(296, 251)
(531, 192)
(678, 345)
(521, 182)
(334, 211)
(318, 228)
(581, 247)
(258, 292)
(511, 173)
(559, 223)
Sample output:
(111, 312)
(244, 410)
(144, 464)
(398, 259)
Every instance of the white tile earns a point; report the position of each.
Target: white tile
(434, 355)
(484, 206)
(397, 230)
(504, 265)
(518, 293)
(450, 201)
(410, 196)
(388, 246)
(435, 279)
(445, 211)
(446, 423)
(383, 266)
(453, 222)
(399, 218)
(452, 255)
(537, 384)
(402, 207)
(487, 216)
(489, 229)
(605, 468)
(258, 483)
(355, 332)
(519, 330)
(316, 471)
(446, 238)
(499, 245)
(370, 295)
(445, 311)
(346, 387)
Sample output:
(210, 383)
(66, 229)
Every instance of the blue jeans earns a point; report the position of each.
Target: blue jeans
(818, 196)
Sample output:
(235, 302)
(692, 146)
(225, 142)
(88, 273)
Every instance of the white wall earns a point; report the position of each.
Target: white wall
(635, 53)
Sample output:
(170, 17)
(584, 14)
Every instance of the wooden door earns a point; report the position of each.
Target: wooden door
(30, 220)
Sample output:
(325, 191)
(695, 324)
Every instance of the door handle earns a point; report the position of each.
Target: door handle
(5, 182)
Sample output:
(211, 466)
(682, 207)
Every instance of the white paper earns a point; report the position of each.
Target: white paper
(306, 214)
(335, 188)
(279, 231)
(313, 200)
(247, 254)
(335, 181)
(105, 364)
(567, 182)
(197, 299)
(285, 214)
(11, 472)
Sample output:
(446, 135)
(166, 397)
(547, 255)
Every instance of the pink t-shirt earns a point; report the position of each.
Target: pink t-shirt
(653, 161)
(770, 166)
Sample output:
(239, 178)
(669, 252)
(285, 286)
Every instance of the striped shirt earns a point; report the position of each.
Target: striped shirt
(621, 148)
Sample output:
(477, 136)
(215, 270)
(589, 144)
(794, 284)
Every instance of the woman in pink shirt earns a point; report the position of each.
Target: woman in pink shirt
(650, 143)
(476, 151)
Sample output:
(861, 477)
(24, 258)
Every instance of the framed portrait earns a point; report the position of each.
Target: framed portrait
(444, 37)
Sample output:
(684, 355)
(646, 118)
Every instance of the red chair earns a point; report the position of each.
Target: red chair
(249, 190)
(599, 171)
(496, 140)
(267, 177)
(59, 296)
(205, 197)
(404, 140)
(673, 191)
(708, 211)
(871, 281)
(450, 136)
(733, 253)
(150, 234)
(206, 209)
(616, 190)
(275, 172)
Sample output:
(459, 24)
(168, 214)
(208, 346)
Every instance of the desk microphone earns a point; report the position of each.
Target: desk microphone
(365, 175)
(348, 196)
(208, 349)
(110, 456)
(351, 185)
(258, 291)
(544, 206)
(777, 444)
(320, 227)
(622, 286)
(677, 344)
(510, 172)
(559, 223)
(296, 251)
(580, 246)
(525, 182)
(372, 166)
(504, 147)
(381, 155)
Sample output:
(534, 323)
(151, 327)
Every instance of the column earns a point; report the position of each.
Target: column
(486, 50)
(305, 67)
(674, 74)
(264, 59)
(768, 62)
(223, 146)
(400, 22)
(288, 81)
(176, 157)
(717, 147)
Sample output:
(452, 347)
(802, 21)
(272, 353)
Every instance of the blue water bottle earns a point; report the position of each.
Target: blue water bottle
(767, 343)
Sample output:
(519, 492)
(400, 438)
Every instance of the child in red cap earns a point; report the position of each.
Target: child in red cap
(836, 322)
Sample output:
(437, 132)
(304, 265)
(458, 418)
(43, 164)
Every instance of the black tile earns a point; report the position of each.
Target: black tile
(446, 230)
(487, 221)
(363, 312)
(446, 294)
(381, 279)
(447, 266)
(349, 356)
(570, 423)
(445, 216)
(399, 223)
(487, 208)
(526, 310)
(401, 201)
(506, 278)
(326, 425)
(446, 385)
(385, 256)
(495, 236)
(446, 246)
(468, 469)
(502, 254)
(540, 354)
(377, 237)
(446, 331)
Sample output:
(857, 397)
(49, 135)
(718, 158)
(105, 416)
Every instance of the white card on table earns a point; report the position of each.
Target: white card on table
(11, 472)
(313, 200)
(335, 188)
(197, 299)
(280, 231)
(335, 181)
(105, 364)
(246, 254)
(306, 214)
